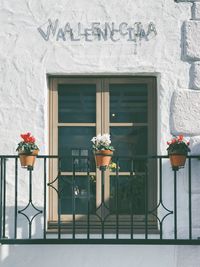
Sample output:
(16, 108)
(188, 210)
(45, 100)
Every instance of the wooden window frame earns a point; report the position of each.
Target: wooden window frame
(102, 83)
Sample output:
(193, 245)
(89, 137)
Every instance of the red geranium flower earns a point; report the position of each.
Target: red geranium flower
(180, 137)
(178, 144)
(28, 138)
(28, 144)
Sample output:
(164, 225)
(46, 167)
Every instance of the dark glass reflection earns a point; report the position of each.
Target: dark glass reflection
(74, 146)
(128, 103)
(130, 194)
(84, 189)
(129, 142)
(77, 103)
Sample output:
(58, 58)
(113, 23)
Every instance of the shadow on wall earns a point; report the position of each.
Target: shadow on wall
(182, 43)
(89, 255)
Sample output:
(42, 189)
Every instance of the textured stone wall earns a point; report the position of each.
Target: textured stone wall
(25, 61)
(186, 120)
(185, 105)
(26, 58)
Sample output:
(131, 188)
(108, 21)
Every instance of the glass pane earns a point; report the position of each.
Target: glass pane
(84, 190)
(131, 194)
(129, 142)
(128, 103)
(77, 103)
(74, 142)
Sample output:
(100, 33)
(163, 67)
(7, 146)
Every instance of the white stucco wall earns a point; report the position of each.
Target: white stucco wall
(26, 59)
(99, 256)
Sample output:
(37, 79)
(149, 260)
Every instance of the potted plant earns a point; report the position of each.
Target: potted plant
(27, 150)
(178, 149)
(102, 149)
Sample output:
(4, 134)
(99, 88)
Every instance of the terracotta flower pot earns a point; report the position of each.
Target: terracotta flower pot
(103, 157)
(177, 160)
(27, 159)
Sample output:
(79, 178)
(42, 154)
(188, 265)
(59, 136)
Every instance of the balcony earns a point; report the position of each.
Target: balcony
(142, 201)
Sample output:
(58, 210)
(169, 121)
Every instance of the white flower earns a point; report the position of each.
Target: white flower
(94, 140)
(106, 139)
(101, 141)
(98, 139)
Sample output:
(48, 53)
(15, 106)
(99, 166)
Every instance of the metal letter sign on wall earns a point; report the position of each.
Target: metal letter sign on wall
(97, 31)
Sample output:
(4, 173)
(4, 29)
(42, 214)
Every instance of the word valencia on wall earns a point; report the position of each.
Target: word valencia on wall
(97, 31)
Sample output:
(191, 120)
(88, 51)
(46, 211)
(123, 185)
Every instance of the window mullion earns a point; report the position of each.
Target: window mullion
(105, 106)
(106, 129)
(53, 147)
(98, 130)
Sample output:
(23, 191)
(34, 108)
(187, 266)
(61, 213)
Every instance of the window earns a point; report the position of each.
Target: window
(79, 109)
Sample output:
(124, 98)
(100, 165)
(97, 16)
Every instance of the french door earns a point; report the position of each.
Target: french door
(81, 108)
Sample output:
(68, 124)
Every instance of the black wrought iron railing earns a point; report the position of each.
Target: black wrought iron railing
(139, 200)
